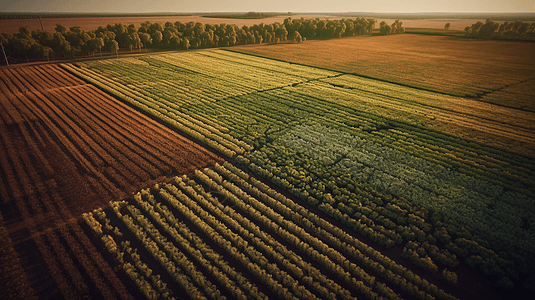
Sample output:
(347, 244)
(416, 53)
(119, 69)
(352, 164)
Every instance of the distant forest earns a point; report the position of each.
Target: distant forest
(73, 41)
(495, 30)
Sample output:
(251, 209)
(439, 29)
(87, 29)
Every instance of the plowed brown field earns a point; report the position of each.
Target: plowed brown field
(67, 148)
(60, 134)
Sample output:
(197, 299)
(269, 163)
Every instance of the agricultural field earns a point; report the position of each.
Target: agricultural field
(330, 184)
(239, 225)
(445, 180)
(447, 65)
(67, 148)
(92, 23)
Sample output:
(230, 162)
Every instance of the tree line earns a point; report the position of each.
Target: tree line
(491, 29)
(74, 41)
(396, 27)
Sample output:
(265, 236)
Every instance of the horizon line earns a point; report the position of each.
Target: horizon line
(279, 12)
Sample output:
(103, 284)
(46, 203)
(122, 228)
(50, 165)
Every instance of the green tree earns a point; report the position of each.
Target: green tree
(297, 37)
(134, 41)
(45, 51)
(61, 45)
(114, 47)
(447, 26)
(185, 43)
(397, 27)
(371, 25)
(45, 38)
(24, 41)
(282, 33)
(523, 28)
(145, 39)
(468, 31)
(121, 32)
(502, 27)
(155, 27)
(268, 38)
(61, 29)
(157, 37)
(384, 28)
(175, 41)
(199, 29)
(195, 42)
(4, 40)
(98, 43)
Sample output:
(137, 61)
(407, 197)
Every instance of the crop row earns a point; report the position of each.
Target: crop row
(314, 96)
(273, 240)
(187, 124)
(401, 168)
(386, 220)
(66, 147)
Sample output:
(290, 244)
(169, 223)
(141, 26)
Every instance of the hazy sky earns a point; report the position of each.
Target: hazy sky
(139, 6)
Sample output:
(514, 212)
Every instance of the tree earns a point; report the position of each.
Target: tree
(157, 37)
(384, 28)
(339, 30)
(371, 25)
(289, 25)
(199, 29)
(467, 31)
(179, 26)
(145, 39)
(175, 41)
(207, 38)
(282, 33)
(523, 28)
(297, 37)
(121, 32)
(268, 38)
(98, 43)
(45, 38)
(114, 47)
(155, 27)
(134, 42)
(45, 51)
(487, 30)
(24, 41)
(3, 41)
(61, 29)
(447, 26)
(224, 42)
(195, 42)
(185, 43)
(61, 45)
(502, 27)
(397, 27)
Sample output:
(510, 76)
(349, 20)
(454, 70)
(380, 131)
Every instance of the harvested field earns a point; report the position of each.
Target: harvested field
(449, 65)
(66, 148)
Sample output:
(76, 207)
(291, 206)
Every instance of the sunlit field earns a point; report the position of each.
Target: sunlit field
(374, 167)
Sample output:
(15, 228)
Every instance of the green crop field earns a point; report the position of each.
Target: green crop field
(444, 184)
